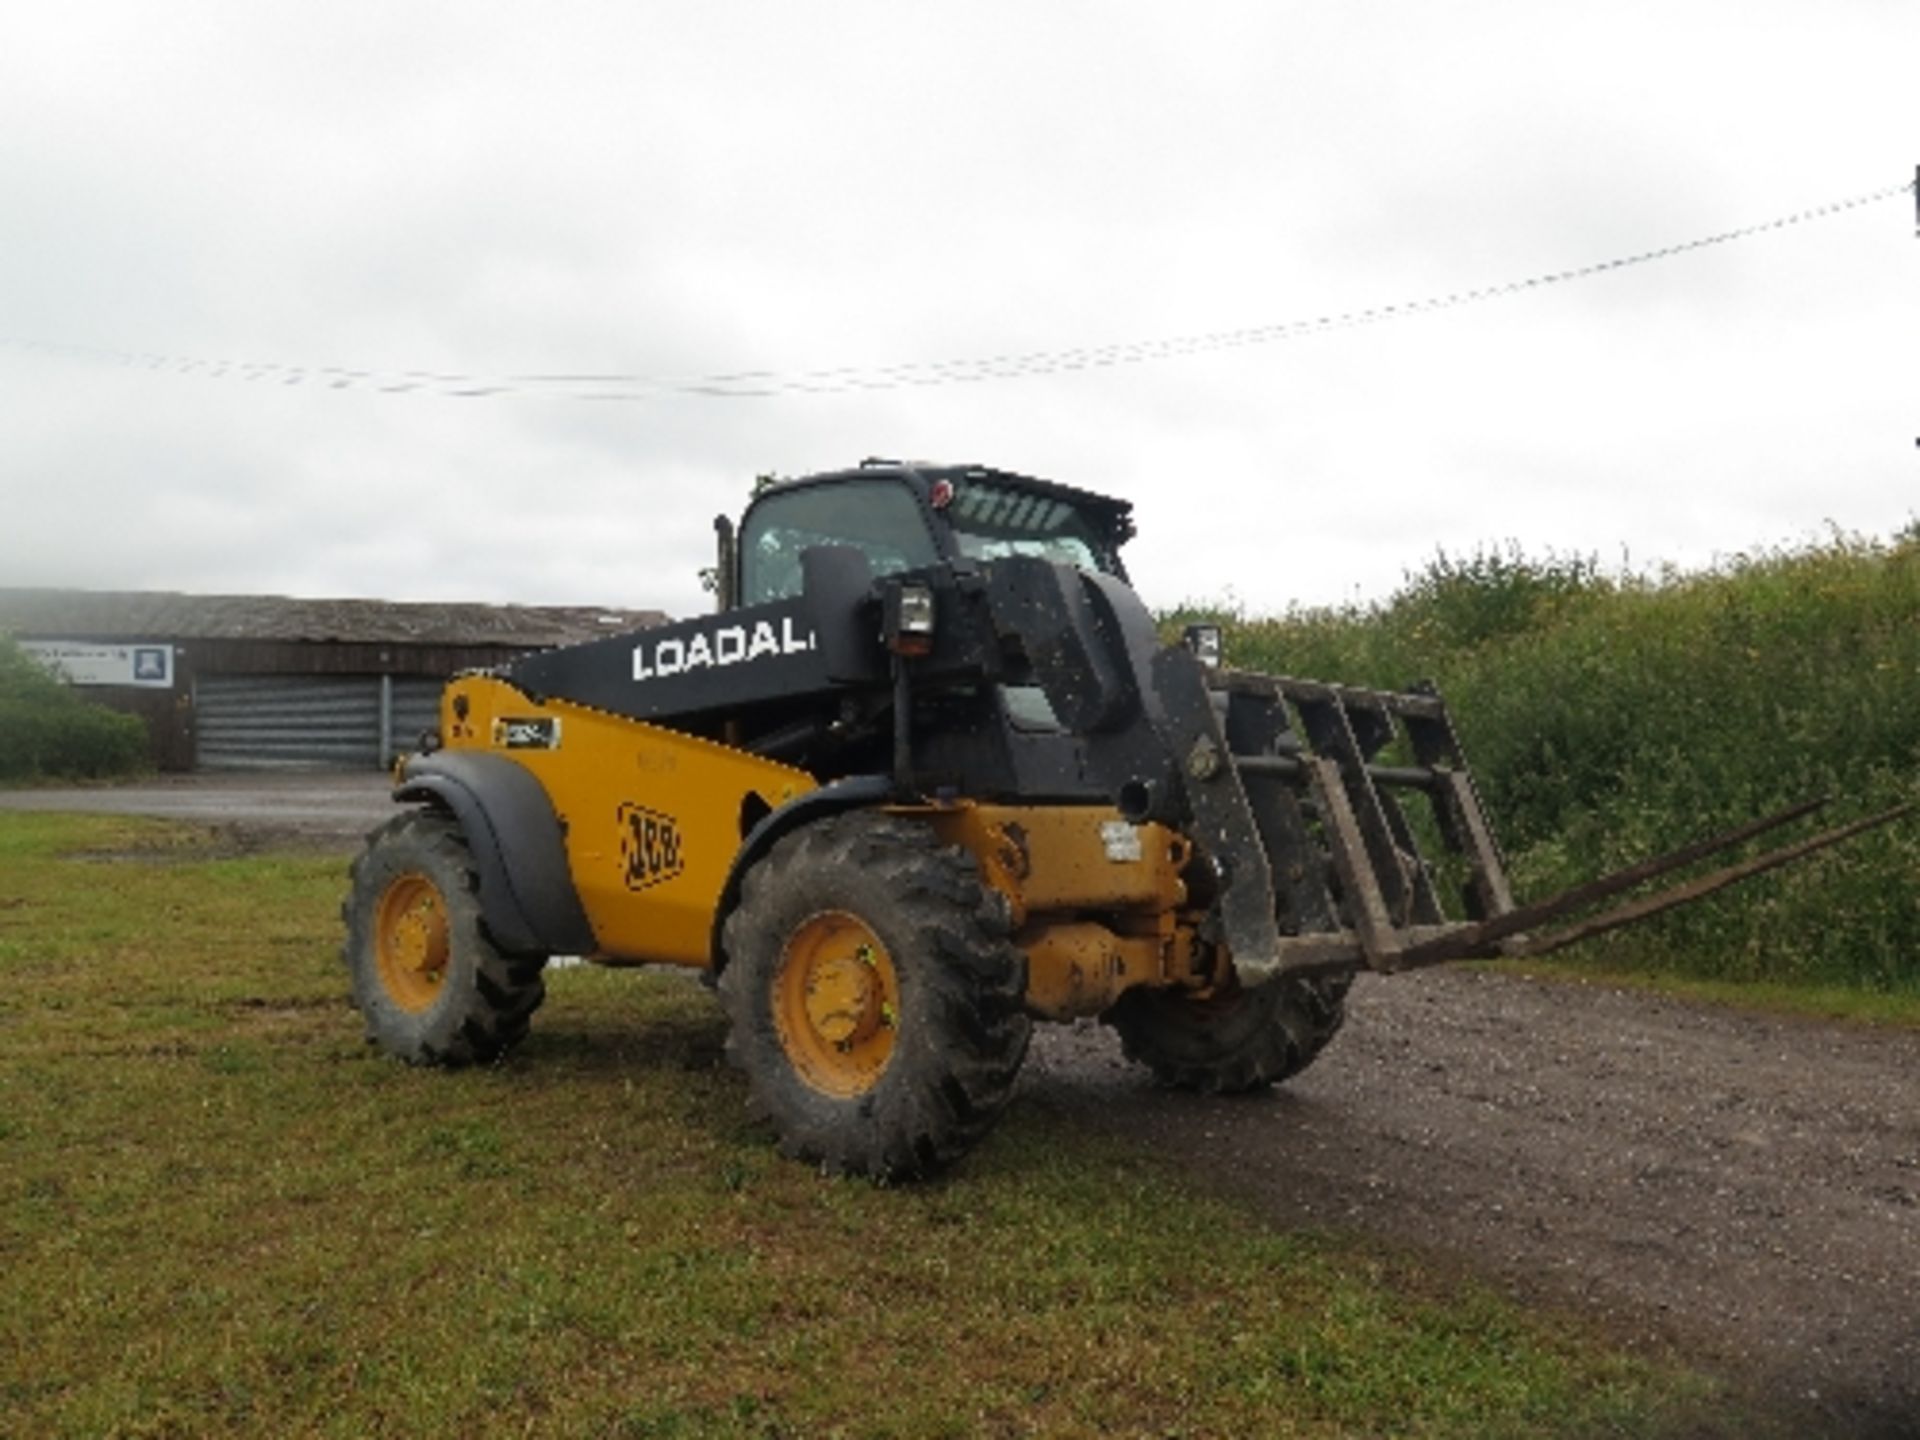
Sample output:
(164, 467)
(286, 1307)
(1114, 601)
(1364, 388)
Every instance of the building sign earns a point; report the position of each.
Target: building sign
(81, 662)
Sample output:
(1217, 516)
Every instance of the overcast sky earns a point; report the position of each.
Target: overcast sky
(680, 190)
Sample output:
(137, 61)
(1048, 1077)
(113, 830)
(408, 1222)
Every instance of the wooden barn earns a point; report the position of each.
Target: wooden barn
(266, 681)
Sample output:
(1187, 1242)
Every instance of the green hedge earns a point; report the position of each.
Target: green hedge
(48, 732)
(1611, 718)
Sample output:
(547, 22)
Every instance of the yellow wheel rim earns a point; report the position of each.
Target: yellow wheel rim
(410, 942)
(836, 1003)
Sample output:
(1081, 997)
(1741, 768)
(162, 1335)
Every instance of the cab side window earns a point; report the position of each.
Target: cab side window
(881, 518)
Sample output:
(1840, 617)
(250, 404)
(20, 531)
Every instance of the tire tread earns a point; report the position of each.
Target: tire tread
(491, 995)
(942, 1091)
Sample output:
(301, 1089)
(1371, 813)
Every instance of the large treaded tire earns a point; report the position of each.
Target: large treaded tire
(452, 998)
(942, 1063)
(1234, 1041)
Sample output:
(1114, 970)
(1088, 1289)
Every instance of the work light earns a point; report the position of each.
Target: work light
(1204, 642)
(909, 621)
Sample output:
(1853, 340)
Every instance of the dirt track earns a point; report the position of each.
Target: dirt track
(317, 806)
(1745, 1188)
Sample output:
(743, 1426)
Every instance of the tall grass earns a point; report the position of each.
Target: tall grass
(1610, 717)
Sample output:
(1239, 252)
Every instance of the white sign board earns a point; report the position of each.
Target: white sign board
(81, 662)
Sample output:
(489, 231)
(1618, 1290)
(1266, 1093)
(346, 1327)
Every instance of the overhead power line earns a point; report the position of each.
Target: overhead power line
(766, 384)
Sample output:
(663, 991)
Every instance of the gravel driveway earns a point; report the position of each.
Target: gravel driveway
(320, 806)
(1743, 1187)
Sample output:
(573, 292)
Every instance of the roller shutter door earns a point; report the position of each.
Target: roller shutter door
(416, 707)
(262, 722)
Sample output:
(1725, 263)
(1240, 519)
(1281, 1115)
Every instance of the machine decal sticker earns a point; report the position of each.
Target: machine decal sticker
(728, 645)
(650, 849)
(537, 732)
(1121, 841)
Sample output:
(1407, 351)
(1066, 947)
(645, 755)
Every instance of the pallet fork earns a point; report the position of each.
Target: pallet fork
(1378, 901)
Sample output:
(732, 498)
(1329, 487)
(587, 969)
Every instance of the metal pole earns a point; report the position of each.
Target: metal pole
(386, 720)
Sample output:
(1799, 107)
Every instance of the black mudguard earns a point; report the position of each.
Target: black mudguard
(519, 849)
(853, 793)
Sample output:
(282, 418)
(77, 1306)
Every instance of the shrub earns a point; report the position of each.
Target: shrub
(48, 731)
(1611, 718)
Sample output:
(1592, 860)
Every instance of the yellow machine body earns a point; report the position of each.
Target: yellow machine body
(653, 818)
(1097, 902)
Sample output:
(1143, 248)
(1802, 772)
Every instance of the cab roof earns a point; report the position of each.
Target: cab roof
(1108, 511)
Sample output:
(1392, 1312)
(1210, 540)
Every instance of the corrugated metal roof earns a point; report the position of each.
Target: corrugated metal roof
(169, 615)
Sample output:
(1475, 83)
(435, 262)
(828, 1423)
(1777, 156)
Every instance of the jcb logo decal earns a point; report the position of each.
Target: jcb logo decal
(649, 846)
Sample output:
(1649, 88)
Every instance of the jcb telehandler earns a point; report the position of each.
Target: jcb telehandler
(927, 776)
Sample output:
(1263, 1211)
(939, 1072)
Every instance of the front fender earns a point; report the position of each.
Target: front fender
(519, 850)
(852, 793)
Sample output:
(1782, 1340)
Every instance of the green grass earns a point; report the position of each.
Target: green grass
(221, 1214)
(1611, 718)
(1899, 1009)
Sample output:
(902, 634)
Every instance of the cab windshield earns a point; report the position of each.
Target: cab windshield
(884, 520)
(879, 518)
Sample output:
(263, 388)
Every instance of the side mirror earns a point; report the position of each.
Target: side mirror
(837, 590)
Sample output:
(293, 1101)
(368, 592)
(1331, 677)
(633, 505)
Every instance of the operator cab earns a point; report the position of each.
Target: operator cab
(906, 517)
